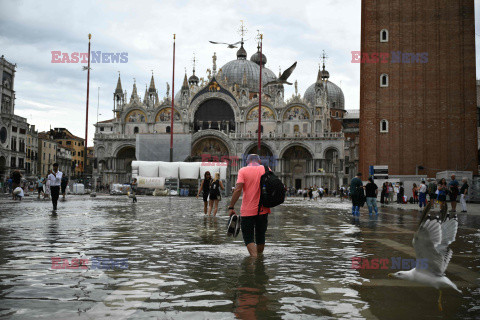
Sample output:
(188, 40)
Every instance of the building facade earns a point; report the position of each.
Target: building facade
(47, 151)
(31, 162)
(66, 139)
(64, 160)
(13, 129)
(303, 134)
(417, 106)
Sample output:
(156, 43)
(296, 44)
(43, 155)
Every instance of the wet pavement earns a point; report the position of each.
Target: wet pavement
(181, 264)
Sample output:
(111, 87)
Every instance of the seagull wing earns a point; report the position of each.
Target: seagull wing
(217, 42)
(425, 241)
(236, 43)
(449, 232)
(287, 72)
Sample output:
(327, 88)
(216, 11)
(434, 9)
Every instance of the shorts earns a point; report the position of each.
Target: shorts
(40, 190)
(64, 186)
(453, 196)
(254, 228)
(205, 196)
(214, 196)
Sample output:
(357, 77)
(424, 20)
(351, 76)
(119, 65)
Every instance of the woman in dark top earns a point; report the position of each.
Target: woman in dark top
(215, 195)
(382, 194)
(442, 194)
(205, 187)
(415, 193)
(16, 180)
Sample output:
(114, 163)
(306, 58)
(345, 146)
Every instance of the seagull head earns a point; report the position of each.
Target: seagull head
(399, 275)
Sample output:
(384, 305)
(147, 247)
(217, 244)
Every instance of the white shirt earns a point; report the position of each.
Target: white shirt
(55, 180)
(423, 188)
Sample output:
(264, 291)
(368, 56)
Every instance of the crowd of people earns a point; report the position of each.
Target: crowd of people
(431, 190)
(315, 192)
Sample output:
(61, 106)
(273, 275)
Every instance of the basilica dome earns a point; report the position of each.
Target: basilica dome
(234, 71)
(335, 95)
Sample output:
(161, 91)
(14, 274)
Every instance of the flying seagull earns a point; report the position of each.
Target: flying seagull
(283, 78)
(229, 45)
(431, 245)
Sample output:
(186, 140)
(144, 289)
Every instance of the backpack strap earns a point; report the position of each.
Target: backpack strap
(260, 201)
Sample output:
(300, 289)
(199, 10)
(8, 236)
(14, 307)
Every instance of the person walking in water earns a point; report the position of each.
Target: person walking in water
(254, 218)
(215, 195)
(134, 185)
(64, 186)
(55, 178)
(356, 192)
(205, 187)
(371, 190)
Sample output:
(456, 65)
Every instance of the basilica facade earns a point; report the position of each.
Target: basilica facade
(303, 134)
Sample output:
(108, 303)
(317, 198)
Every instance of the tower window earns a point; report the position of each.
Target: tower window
(384, 35)
(384, 126)
(384, 80)
(135, 130)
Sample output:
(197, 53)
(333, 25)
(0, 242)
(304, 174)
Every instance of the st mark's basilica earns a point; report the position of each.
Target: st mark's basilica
(305, 135)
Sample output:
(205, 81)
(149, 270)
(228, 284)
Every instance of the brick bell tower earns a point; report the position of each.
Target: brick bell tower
(418, 106)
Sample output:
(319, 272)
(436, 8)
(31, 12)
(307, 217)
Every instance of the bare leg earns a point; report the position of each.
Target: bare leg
(210, 207)
(205, 206)
(260, 248)
(216, 207)
(251, 247)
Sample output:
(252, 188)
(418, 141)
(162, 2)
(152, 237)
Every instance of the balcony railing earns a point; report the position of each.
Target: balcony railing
(113, 136)
(302, 136)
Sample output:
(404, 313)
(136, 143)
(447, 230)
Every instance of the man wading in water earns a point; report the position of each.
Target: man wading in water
(55, 178)
(253, 221)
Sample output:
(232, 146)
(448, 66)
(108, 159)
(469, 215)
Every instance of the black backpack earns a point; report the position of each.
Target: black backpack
(272, 190)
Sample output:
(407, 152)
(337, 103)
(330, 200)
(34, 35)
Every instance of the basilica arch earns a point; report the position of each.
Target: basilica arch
(296, 162)
(214, 114)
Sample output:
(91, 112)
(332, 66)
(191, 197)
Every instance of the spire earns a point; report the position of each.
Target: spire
(152, 85)
(119, 85)
(241, 53)
(193, 80)
(134, 95)
(325, 74)
(185, 82)
(145, 98)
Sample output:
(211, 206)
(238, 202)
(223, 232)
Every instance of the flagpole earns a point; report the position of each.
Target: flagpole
(173, 97)
(86, 117)
(260, 100)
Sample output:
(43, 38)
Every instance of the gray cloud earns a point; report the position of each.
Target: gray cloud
(293, 31)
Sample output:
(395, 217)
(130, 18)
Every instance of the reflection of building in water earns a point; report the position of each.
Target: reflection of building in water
(221, 113)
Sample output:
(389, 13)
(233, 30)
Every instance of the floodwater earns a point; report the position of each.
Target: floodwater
(181, 264)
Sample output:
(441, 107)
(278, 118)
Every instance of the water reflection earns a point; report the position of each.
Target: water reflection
(182, 265)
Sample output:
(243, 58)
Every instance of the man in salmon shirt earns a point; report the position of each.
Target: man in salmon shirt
(254, 221)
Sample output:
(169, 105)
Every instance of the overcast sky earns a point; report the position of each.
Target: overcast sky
(50, 94)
